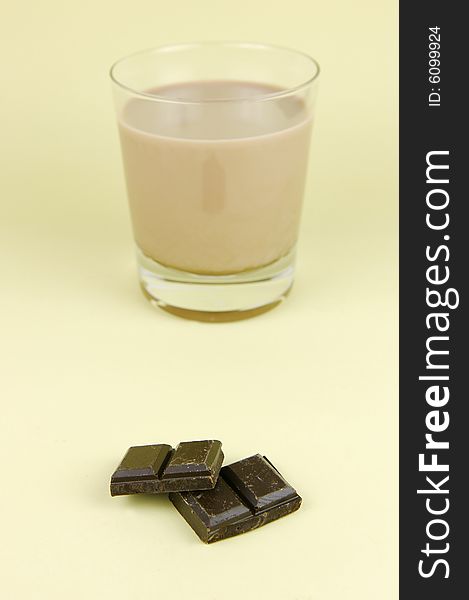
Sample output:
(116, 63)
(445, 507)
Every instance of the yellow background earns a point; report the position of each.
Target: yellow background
(89, 367)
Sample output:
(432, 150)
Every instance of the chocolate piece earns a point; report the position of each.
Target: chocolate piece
(248, 494)
(158, 468)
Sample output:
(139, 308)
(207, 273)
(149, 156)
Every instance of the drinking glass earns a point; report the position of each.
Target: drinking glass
(215, 140)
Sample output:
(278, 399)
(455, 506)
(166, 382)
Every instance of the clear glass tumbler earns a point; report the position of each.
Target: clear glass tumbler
(215, 140)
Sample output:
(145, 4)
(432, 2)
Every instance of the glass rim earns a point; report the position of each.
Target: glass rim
(188, 45)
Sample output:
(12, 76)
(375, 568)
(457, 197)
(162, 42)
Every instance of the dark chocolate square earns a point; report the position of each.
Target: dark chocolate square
(158, 468)
(248, 494)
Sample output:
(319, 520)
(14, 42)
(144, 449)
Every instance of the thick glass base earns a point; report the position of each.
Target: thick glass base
(216, 297)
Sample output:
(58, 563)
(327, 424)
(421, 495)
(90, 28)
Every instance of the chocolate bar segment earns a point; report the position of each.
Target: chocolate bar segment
(192, 458)
(142, 462)
(158, 468)
(248, 494)
(258, 483)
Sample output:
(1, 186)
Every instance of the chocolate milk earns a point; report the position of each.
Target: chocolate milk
(215, 187)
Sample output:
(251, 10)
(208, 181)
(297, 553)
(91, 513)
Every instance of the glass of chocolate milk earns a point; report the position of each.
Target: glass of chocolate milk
(215, 140)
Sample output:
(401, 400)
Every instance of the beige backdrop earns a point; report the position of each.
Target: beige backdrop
(89, 368)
